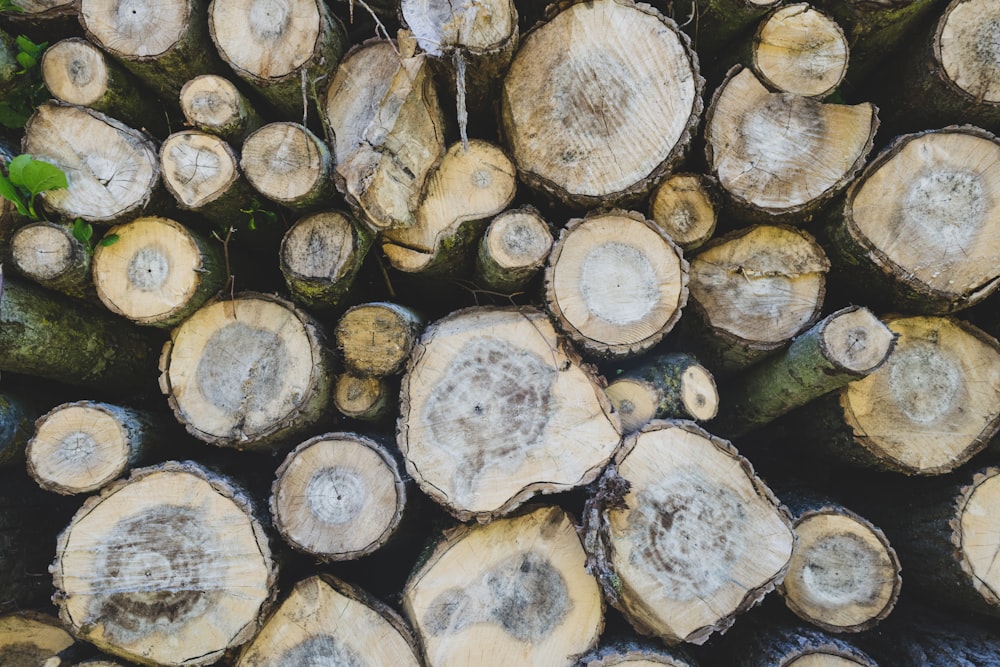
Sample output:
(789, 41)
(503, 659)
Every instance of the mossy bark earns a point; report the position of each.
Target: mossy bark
(17, 424)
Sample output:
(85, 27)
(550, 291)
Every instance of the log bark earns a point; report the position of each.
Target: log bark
(496, 408)
(615, 283)
(213, 104)
(665, 386)
(112, 169)
(17, 425)
(47, 253)
(586, 120)
(83, 446)
(202, 172)
(249, 372)
(844, 575)
(472, 183)
(778, 156)
(843, 347)
(290, 165)
(162, 44)
(686, 207)
(367, 399)
(48, 337)
(145, 568)
(514, 591)
(287, 53)
(714, 24)
(77, 72)
(320, 257)
(32, 638)
(683, 535)
(636, 654)
(919, 228)
(376, 339)
(752, 291)
(928, 637)
(158, 272)
(798, 646)
(513, 250)
(338, 496)
(386, 163)
(325, 621)
(932, 406)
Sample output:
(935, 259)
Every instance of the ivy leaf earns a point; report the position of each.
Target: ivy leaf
(38, 176)
(9, 191)
(110, 239)
(82, 231)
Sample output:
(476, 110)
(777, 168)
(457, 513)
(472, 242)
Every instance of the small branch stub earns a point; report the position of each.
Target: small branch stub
(615, 283)
(248, 372)
(513, 592)
(338, 496)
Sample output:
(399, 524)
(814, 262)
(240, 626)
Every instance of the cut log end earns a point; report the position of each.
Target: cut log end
(197, 167)
(338, 496)
(517, 240)
(30, 638)
(134, 30)
(45, 252)
(74, 71)
(363, 398)
(857, 341)
(287, 163)
(376, 339)
(977, 536)
(801, 50)
(965, 45)
(685, 207)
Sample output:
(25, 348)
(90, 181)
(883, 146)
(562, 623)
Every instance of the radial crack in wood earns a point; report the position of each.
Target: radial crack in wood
(49, 254)
(495, 408)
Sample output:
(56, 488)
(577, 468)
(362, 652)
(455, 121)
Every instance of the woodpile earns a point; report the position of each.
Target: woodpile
(426, 332)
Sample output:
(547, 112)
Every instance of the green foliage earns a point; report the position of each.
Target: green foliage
(9, 6)
(26, 178)
(83, 232)
(28, 91)
(256, 214)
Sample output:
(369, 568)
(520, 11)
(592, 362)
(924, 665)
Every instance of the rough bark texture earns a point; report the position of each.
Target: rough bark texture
(48, 254)
(513, 250)
(213, 104)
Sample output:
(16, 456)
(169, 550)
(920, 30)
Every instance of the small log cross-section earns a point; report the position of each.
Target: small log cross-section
(31, 638)
(631, 653)
(495, 408)
(112, 169)
(779, 155)
(247, 372)
(215, 105)
(376, 339)
(844, 574)
(683, 535)
(49, 254)
(513, 250)
(593, 115)
(288, 164)
(513, 592)
(338, 496)
(797, 646)
(80, 447)
(368, 399)
(158, 272)
(325, 621)
(615, 283)
(202, 172)
(167, 568)
(685, 206)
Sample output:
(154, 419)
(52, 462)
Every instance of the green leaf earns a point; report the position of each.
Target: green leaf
(15, 168)
(9, 191)
(110, 239)
(38, 176)
(28, 47)
(82, 231)
(27, 62)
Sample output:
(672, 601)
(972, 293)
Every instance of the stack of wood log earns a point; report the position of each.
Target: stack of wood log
(468, 332)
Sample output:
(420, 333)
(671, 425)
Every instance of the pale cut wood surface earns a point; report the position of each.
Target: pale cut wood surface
(441, 26)
(214, 104)
(685, 207)
(289, 164)
(198, 167)
(514, 248)
(75, 71)
(800, 50)
(29, 638)
(512, 592)
(134, 29)
(376, 339)
(966, 47)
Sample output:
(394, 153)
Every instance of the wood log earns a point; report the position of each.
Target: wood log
(932, 406)
(842, 347)
(664, 386)
(801, 646)
(8, 62)
(799, 50)
(112, 169)
(169, 567)
(158, 272)
(472, 183)
(928, 637)
(83, 446)
(615, 283)
(376, 339)
(685, 206)
(49, 337)
(338, 496)
(388, 160)
(778, 156)
(514, 591)
(919, 228)
(367, 399)
(586, 120)
(325, 621)
(213, 104)
(636, 654)
(752, 291)
(844, 575)
(513, 250)
(714, 24)
(202, 172)
(32, 638)
(288, 51)
(290, 165)
(247, 372)
(320, 257)
(683, 535)
(77, 72)
(17, 425)
(496, 408)
(49, 254)
(162, 44)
